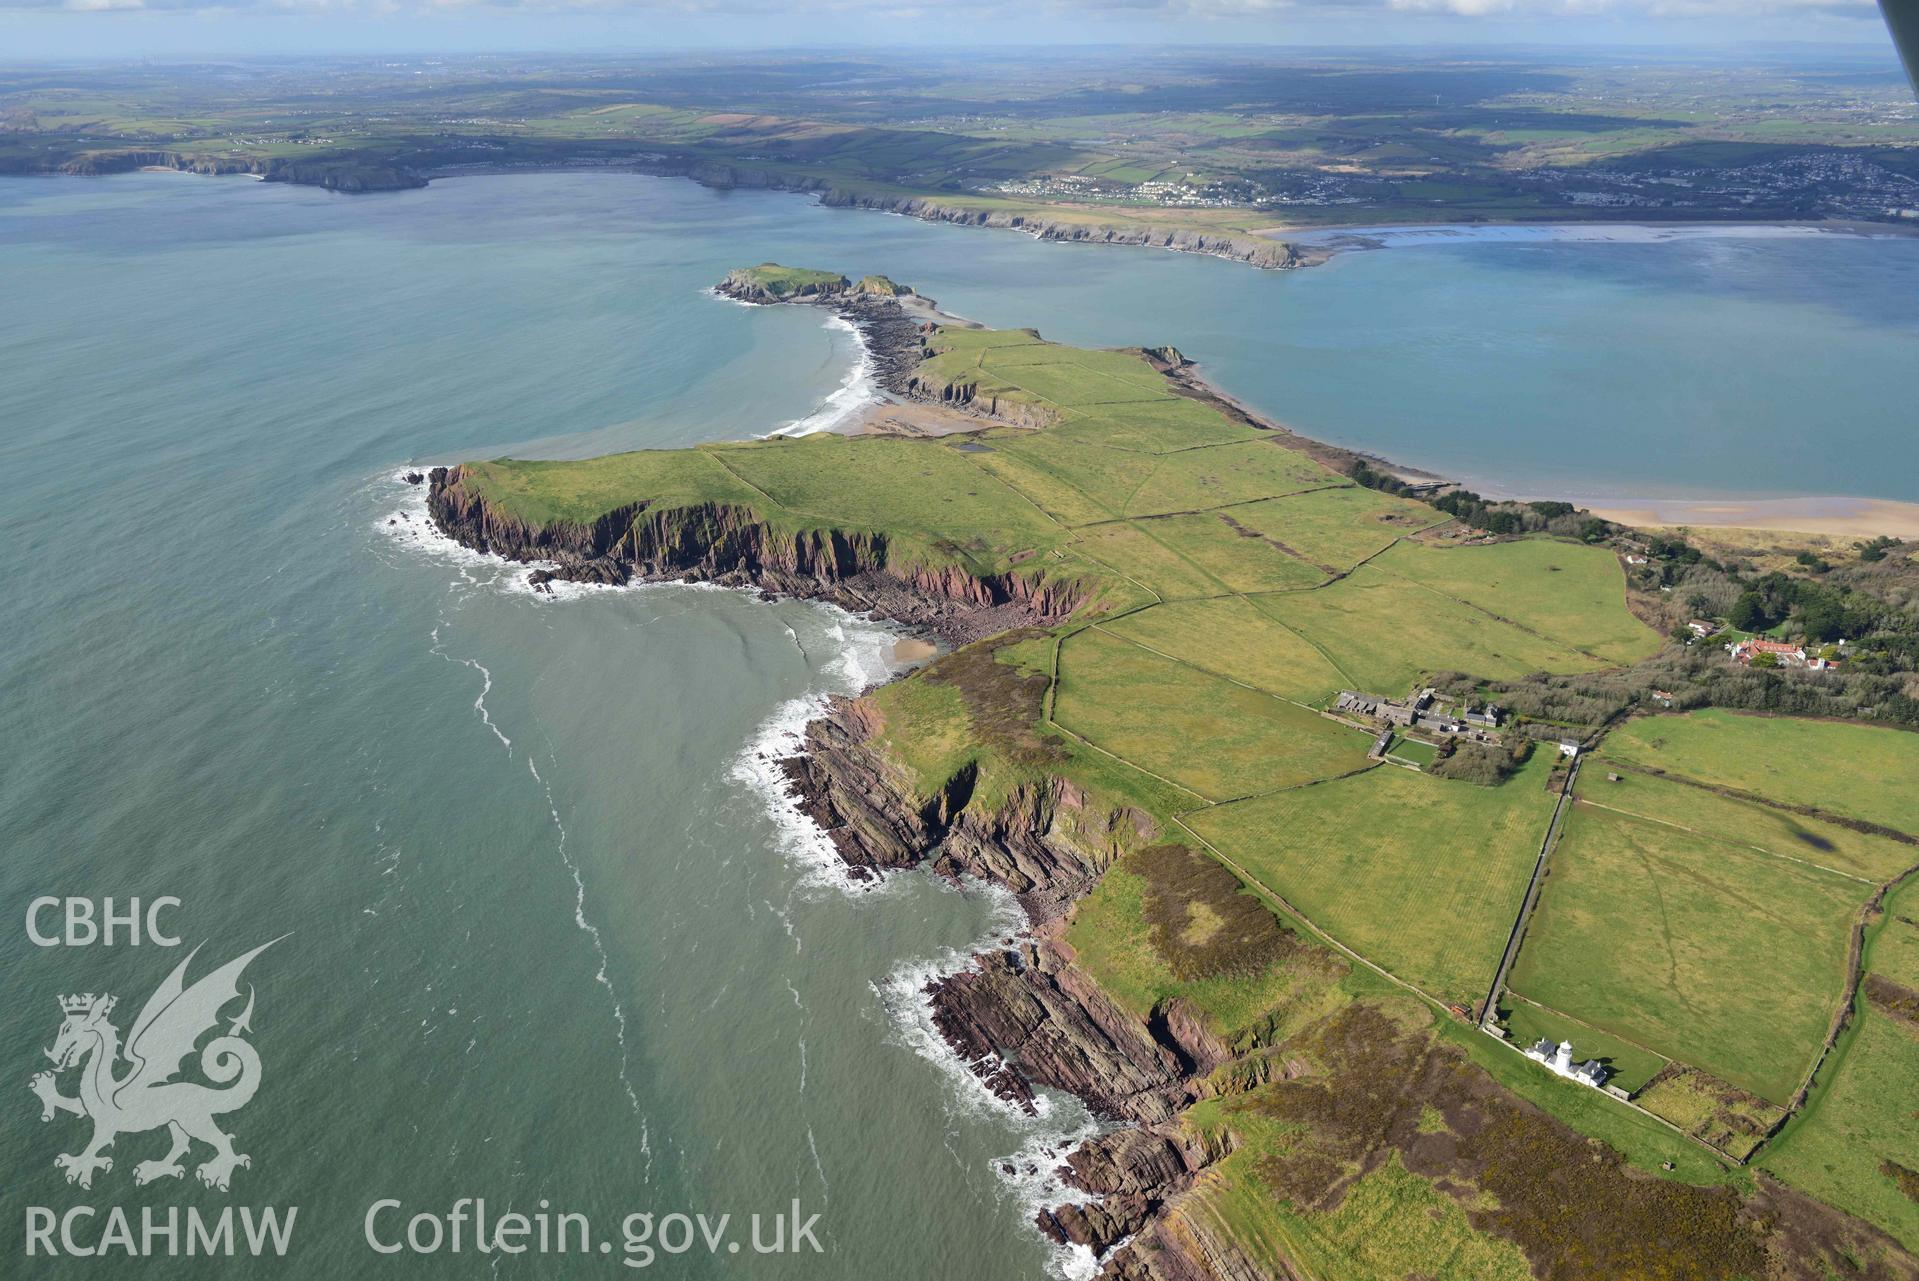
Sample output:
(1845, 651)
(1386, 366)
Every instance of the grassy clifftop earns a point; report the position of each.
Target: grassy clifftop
(773, 282)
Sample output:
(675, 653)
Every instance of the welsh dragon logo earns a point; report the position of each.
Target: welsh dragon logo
(146, 1096)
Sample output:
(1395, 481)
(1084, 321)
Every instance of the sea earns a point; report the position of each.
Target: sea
(544, 930)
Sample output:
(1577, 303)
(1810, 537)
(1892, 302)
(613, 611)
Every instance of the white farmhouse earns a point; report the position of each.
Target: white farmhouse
(1560, 1059)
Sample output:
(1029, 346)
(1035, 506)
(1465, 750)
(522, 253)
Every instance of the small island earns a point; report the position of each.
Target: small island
(1327, 790)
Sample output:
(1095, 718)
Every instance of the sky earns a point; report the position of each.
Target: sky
(119, 29)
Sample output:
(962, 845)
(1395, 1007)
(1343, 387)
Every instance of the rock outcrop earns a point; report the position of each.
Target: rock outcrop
(1027, 1017)
(745, 284)
(352, 177)
(1037, 843)
(1133, 1172)
(895, 340)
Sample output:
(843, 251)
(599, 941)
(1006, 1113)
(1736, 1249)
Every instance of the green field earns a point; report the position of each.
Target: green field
(1138, 552)
(1336, 528)
(1422, 876)
(1391, 1225)
(1232, 635)
(1707, 952)
(1165, 426)
(879, 482)
(1856, 771)
(1732, 1120)
(1571, 593)
(1217, 738)
(929, 499)
(1074, 485)
(1230, 559)
(579, 492)
(1829, 845)
(1216, 475)
(1412, 749)
(1384, 632)
(1075, 376)
(1278, 544)
(1857, 1132)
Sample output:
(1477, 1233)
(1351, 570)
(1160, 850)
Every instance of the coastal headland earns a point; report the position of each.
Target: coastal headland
(1266, 908)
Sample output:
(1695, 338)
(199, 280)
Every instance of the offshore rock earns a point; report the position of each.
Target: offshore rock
(1134, 1172)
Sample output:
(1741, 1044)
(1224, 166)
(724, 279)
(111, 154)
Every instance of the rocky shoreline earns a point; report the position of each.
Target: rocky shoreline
(1025, 1017)
(354, 176)
(1022, 1016)
(1254, 251)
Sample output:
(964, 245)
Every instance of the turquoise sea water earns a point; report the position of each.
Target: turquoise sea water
(549, 936)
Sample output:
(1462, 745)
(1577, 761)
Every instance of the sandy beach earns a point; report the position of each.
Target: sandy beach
(1836, 517)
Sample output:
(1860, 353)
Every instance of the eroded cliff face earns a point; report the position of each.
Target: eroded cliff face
(1040, 842)
(730, 545)
(1025, 1017)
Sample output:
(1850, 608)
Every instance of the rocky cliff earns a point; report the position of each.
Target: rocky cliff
(732, 546)
(1025, 1017)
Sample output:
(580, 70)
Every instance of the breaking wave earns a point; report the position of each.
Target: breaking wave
(1058, 1123)
(860, 390)
(861, 658)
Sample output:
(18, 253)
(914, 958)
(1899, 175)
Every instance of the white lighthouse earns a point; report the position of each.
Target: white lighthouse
(1559, 1059)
